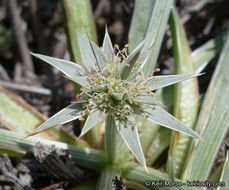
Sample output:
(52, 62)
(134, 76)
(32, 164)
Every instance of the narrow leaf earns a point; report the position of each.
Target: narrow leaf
(139, 22)
(92, 120)
(72, 70)
(165, 80)
(225, 174)
(100, 57)
(105, 179)
(94, 136)
(114, 145)
(162, 117)
(16, 114)
(147, 135)
(155, 31)
(171, 168)
(24, 118)
(94, 60)
(147, 99)
(67, 114)
(205, 53)
(149, 22)
(149, 130)
(78, 18)
(130, 61)
(86, 52)
(90, 62)
(158, 137)
(129, 134)
(85, 157)
(107, 48)
(213, 121)
(158, 145)
(110, 138)
(185, 96)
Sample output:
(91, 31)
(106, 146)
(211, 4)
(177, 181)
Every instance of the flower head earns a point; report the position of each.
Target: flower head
(108, 92)
(113, 83)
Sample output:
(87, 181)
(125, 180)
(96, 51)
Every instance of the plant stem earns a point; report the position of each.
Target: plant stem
(110, 138)
(85, 157)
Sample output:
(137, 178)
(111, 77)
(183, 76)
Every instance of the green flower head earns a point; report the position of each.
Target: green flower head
(114, 84)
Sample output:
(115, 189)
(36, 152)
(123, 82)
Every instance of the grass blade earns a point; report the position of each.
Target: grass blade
(201, 57)
(139, 22)
(213, 121)
(205, 53)
(225, 174)
(66, 115)
(155, 31)
(149, 21)
(186, 96)
(78, 18)
(16, 114)
(24, 118)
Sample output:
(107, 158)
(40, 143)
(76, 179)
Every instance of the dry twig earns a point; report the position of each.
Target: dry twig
(20, 37)
(26, 88)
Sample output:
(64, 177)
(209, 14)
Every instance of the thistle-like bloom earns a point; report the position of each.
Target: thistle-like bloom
(114, 84)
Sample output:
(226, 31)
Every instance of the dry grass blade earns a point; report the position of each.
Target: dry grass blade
(24, 118)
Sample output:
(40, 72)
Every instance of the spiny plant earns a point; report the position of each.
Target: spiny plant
(115, 89)
(188, 159)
